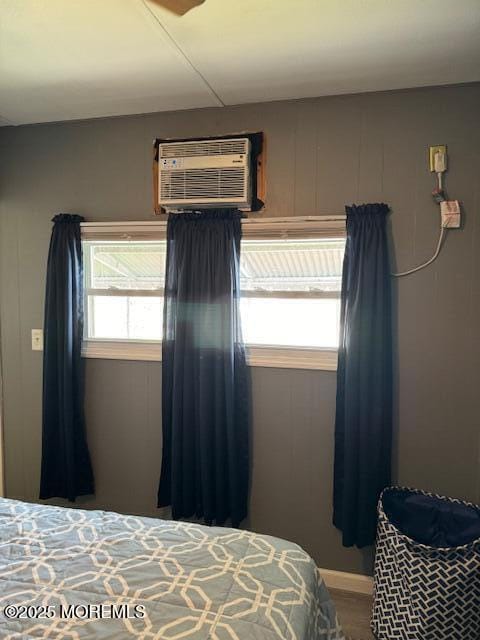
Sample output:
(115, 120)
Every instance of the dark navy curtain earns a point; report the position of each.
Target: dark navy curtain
(205, 390)
(363, 425)
(66, 468)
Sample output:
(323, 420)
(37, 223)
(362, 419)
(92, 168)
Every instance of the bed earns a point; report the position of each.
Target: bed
(71, 574)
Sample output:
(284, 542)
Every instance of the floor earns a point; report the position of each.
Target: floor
(353, 611)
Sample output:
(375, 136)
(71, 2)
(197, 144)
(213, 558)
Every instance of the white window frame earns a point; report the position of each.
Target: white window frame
(257, 356)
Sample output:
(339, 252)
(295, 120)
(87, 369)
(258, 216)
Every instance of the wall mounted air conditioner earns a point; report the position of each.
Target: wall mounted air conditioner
(204, 174)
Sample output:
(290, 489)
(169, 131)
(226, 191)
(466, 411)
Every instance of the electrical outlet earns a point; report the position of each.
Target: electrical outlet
(37, 339)
(433, 150)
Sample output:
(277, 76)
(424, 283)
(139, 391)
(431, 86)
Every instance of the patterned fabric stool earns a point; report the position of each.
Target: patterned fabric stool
(427, 568)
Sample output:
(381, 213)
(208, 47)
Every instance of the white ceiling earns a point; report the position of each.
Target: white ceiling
(69, 59)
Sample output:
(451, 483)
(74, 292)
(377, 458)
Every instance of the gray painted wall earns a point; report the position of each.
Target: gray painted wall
(322, 154)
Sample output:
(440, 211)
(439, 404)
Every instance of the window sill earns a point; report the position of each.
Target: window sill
(257, 356)
(292, 358)
(122, 350)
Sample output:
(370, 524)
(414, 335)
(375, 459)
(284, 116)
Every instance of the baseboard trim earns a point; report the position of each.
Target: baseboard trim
(353, 582)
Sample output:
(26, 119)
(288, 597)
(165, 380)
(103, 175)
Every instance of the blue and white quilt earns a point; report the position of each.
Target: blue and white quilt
(69, 574)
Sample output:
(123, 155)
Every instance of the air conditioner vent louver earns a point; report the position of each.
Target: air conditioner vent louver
(207, 183)
(206, 148)
(208, 173)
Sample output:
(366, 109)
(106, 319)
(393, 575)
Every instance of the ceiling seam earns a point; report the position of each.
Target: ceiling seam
(7, 121)
(183, 54)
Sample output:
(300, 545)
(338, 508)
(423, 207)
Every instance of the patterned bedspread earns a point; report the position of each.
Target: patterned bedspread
(68, 574)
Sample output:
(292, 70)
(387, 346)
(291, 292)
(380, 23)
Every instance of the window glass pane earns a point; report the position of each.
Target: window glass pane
(107, 317)
(125, 265)
(125, 318)
(291, 267)
(145, 318)
(295, 322)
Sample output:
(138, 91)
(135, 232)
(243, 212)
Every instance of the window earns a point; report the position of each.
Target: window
(290, 292)
(290, 279)
(124, 289)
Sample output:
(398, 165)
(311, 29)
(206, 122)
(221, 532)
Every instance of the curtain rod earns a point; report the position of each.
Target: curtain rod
(163, 223)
